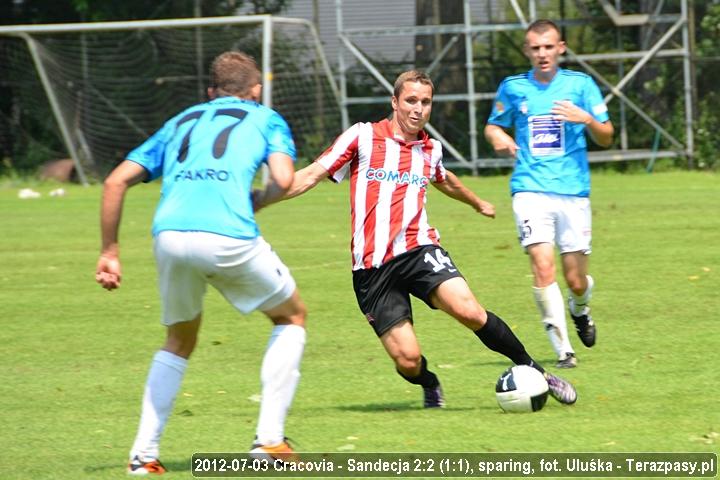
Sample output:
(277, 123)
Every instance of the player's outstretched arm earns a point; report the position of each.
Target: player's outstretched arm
(125, 175)
(503, 144)
(454, 188)
(305, 179)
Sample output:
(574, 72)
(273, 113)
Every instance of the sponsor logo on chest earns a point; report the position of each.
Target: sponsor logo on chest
(546, 135)
(394, 176)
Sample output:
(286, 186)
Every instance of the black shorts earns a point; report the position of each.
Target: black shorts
(383, 293)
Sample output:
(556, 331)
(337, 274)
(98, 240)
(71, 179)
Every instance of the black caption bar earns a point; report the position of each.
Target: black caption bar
(458, 465)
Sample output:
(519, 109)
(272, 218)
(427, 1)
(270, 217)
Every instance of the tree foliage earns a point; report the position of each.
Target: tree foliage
(29, 135)
(65, 11)
(707, 72)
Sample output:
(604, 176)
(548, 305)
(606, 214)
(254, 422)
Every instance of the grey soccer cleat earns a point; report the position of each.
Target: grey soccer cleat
(570, 361)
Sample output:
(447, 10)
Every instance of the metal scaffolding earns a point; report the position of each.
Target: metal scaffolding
(671, 24)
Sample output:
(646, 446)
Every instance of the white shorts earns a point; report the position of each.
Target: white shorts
(246, 272)
(562, 220)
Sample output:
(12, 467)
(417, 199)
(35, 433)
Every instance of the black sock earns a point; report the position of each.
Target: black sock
(425, 378)
(498, 337)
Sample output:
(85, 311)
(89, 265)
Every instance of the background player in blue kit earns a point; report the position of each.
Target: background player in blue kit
(205, 233)
(551, 109)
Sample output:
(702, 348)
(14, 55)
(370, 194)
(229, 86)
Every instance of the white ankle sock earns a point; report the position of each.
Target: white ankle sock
(577, 303)
(163, 382)
(279, 375)
(549, 301)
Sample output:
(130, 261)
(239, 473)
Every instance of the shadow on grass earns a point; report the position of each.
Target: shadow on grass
(176, 466)
(503, 364)
(378, 407)
(390, 407)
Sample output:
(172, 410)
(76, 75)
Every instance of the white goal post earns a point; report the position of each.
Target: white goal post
(109, 85)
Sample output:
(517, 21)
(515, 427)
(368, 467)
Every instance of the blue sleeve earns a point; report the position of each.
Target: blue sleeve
(502, 111)
(279, 137)
(594, 102)
(151, 152)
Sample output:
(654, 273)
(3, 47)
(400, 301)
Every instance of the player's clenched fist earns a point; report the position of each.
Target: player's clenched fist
(107, 272)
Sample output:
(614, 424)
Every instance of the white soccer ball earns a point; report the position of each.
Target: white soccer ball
(521, 389)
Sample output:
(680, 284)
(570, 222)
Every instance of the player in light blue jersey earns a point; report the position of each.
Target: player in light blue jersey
(204, 233)
(551, 110)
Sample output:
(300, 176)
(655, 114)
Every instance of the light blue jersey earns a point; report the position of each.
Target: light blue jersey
(208, 156)
(553, 154)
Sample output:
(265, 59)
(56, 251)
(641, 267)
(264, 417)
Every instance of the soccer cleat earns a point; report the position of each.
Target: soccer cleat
(585, 327)
(144, 467)
(570, 361)
(281, 451)
(561, 390)
(433, 397)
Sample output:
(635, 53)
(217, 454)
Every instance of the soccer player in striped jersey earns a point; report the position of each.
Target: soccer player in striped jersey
(395, 251)
(551, 109)
(204, 232)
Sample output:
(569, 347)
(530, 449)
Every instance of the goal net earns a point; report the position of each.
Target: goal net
(103, 88)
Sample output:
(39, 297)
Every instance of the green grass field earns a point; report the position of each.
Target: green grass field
(74, 357)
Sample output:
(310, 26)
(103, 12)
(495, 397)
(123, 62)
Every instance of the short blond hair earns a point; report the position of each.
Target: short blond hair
(234, 73)
(543, 25)
(412, 76)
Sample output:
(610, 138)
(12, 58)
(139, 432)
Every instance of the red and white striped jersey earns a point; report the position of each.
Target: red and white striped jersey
(388, 183)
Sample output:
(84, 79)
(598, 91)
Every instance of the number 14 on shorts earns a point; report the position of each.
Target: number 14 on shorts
(439, 261)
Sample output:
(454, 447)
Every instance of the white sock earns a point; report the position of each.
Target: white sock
(279, 375)
(163, 382)
(549, 301)
(577, 303)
